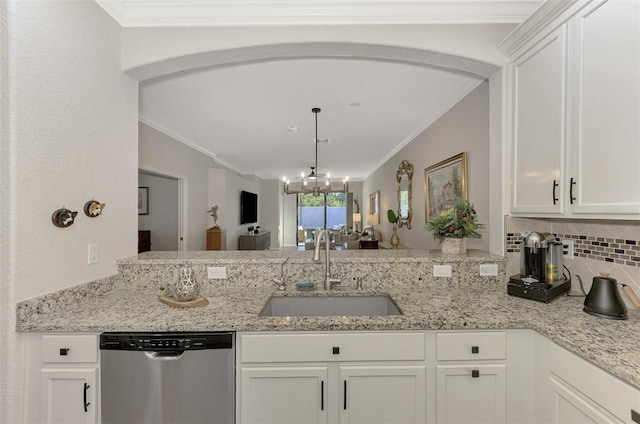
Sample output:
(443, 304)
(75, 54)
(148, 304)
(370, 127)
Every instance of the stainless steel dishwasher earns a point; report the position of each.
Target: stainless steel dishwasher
(167, 377)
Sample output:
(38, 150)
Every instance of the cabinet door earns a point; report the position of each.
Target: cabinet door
(382, 394)
(471, 394)
(606, 109)
(538, 126)
(68, 395)
(295, 395)
(569, 407)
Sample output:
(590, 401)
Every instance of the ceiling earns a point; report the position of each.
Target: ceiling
(255, 118)
(241, 115)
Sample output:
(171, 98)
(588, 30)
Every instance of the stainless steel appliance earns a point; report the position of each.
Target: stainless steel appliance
(167, 377)
(541, 269)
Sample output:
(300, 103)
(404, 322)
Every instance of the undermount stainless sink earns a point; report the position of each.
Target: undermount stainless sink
(283, 306)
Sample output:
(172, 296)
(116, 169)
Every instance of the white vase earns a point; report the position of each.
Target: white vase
(454, 246)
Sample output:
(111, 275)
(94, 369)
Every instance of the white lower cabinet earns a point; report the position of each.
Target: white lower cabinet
(471, 393)
(68, 395)
(382, 394)
(471, 377)
(295, 394)
(62, 378)
(569, 406)
(576, 391)
(360, 377)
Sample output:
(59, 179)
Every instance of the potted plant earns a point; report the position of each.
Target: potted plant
(453, 226)
(257, 230)
(393, 219)
(250, 229)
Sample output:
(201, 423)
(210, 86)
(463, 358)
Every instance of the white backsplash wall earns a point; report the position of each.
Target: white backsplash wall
(599, 246)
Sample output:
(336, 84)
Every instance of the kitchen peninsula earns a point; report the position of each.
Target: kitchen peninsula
(464, 303)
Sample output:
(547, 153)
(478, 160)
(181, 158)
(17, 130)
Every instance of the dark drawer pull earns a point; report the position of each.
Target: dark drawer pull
(336, 350)
(64, 351)
(635, 416)
(475, 373)
(344, 406)
(475, 349)
(86, 404)
(322, 395)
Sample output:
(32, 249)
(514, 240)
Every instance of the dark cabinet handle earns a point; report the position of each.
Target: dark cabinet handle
(555, 185)
(86, 404)
(322, 395)
(344, 406)
(475, 373)
(475, 349)
(635, 416)
(64, 351)
(571, 184)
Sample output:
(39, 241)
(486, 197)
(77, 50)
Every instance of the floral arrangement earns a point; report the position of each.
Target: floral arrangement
(458, 222)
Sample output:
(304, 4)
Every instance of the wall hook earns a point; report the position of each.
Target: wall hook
(63, 218)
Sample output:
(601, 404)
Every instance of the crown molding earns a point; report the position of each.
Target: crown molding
(189, 13)
(542, 19)
(158, 127)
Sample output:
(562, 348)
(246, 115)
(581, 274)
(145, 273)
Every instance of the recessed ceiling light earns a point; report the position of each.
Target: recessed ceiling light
(354, 104)
(292, 128)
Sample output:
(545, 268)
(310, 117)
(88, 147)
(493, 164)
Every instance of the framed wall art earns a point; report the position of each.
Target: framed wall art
(444, 184)
(143, 200)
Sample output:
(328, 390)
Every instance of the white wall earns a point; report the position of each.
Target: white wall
(269, 206)
(69, 135)
(160, 153)
(464, 127)
(162, 219)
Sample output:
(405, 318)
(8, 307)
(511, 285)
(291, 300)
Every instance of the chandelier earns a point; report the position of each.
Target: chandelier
(315, 183)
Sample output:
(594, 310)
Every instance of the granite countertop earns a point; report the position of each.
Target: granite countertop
(612, 345)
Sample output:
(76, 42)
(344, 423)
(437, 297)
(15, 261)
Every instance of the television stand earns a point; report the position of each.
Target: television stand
(260, 241)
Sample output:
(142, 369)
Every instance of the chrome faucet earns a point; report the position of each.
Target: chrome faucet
(328, 281)
(280, 281)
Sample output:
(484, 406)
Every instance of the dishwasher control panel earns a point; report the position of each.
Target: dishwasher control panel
(166, 341)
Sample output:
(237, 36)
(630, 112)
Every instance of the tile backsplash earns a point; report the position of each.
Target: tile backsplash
(599, 246)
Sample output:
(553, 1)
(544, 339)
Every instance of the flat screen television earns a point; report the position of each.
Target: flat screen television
(248, 207)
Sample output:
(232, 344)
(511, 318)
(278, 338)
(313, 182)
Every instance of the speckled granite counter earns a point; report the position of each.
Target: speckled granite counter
(119, 305)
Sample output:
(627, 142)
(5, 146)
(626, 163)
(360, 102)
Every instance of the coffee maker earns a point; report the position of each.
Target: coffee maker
(541, 275)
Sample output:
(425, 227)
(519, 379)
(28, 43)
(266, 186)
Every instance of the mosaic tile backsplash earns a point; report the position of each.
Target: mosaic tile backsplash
(611, 247)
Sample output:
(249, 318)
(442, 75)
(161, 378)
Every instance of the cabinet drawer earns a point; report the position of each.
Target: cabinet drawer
(332, 347)
(470, 346)
(70, 348)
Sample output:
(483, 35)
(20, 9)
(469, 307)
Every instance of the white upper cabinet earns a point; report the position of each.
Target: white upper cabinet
(574, 111)
(606, 108)
(539, 87)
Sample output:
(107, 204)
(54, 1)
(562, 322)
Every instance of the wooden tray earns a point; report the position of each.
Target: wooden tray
(199, 301)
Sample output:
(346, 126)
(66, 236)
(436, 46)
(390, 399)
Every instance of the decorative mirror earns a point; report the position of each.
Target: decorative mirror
(404, 177)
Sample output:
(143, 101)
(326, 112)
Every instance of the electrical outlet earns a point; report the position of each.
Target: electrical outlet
(488, 270)
(442, 270)
(216, 272)
(567, 249)
(94, 254)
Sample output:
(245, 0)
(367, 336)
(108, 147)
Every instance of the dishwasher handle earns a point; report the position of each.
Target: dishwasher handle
(169, 355)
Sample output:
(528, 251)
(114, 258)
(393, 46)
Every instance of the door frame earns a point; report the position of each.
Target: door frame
(182, 199)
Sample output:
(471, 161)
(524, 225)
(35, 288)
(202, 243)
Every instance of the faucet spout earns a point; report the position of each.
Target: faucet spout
(320, 236)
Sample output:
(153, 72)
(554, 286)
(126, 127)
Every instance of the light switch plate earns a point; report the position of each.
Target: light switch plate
(94, 254)
(488, 270)
(216, 272)
(442, 270)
